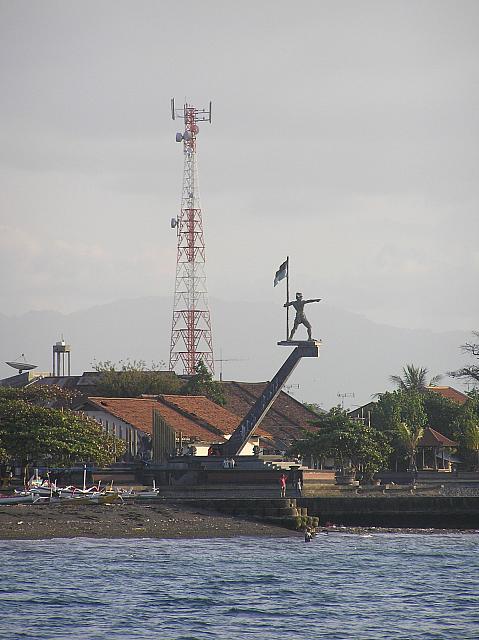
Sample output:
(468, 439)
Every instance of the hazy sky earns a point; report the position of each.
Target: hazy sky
(344, 134)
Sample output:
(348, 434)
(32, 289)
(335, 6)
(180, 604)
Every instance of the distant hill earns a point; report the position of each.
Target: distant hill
(357, 355)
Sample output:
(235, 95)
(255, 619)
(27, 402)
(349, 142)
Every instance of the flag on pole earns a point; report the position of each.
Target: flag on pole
(281, 273)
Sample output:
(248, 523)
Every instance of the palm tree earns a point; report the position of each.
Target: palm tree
(414, 379)
(410, 437)
(472, 440)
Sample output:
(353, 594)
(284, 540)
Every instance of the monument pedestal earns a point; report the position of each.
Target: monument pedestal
(302, 349)
(299, 343)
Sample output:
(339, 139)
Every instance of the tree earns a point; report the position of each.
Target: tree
(399, 415)
(471, 440)
(314, 407)
(32, 434)
(466, 431)
(131, 379)
(414, 379)
(202, 384)
(350, 443)
(441, 412)
(410, 436)
(41, 395)
(469, 372)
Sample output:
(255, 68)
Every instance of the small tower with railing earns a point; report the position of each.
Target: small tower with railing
(61, 359)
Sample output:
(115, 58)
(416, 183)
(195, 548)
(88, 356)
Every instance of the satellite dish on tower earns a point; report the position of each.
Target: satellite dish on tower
(21, 366)
(174, 222)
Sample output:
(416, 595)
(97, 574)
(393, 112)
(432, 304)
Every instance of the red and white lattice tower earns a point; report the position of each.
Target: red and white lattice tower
(191, 339)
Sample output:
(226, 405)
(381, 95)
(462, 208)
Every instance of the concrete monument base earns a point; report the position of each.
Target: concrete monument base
(299, 343)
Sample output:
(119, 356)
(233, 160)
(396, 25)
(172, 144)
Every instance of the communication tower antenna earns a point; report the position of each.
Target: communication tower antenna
(289, 388)
(191, 336)
(21, 365)
(221, 360)
(343, 396)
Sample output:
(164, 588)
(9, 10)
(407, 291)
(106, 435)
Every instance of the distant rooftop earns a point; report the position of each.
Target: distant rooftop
(432, 438)
(450, 394)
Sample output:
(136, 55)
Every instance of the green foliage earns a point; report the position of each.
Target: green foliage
(347, 441)
(30, 433)
(412, 411)
(386, 413)
(40, 394)
(314, 407)
(410, 435)
(202, 384)
(469, 372)
(414, 379)
(442, 413)
(466, 431)
(471, 440)
(400, 416)
(131, 379)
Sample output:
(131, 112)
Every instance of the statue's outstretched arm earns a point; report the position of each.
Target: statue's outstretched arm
(312, 300)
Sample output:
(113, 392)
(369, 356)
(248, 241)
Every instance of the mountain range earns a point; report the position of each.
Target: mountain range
(357, 355)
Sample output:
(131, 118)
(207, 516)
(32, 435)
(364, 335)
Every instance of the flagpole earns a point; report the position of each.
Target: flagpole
(287, 297)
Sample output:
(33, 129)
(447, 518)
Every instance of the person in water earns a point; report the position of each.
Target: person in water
(300, 318)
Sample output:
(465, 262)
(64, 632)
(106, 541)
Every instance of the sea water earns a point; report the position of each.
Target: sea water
(339, 586)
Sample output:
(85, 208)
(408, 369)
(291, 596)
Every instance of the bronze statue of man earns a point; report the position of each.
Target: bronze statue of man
(300, 318)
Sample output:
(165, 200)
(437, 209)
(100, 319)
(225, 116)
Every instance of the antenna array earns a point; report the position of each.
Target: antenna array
(191, 336)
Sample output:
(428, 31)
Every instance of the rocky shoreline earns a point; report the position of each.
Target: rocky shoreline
(35, 522)
(167, 520)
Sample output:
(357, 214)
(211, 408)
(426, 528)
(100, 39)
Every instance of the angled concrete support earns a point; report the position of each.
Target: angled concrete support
(239, 438)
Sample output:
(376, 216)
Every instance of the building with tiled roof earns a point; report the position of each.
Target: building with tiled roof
(363, 413)
(23, 379)
(432, 438)
(195, 407)
(433, 451)
(162, 426)
(284, 421)
(129, 419)
(450, 394)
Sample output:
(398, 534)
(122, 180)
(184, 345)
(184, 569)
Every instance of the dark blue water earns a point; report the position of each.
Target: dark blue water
(336, 587)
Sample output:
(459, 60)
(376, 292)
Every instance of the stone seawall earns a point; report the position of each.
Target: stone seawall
(443, 512)
(284, 512)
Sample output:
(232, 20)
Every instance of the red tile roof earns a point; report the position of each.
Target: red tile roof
(433, 438)
(204, 409)
(283, 422)
(188, 427)
(285, 411)
(195, 416)
(136, 411)
(450, 394)
(200, 418)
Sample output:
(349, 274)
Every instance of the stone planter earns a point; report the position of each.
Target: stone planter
(345, 477)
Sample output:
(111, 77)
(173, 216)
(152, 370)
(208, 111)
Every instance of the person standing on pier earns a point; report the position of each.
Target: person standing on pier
(299, 486)
(282, 484)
